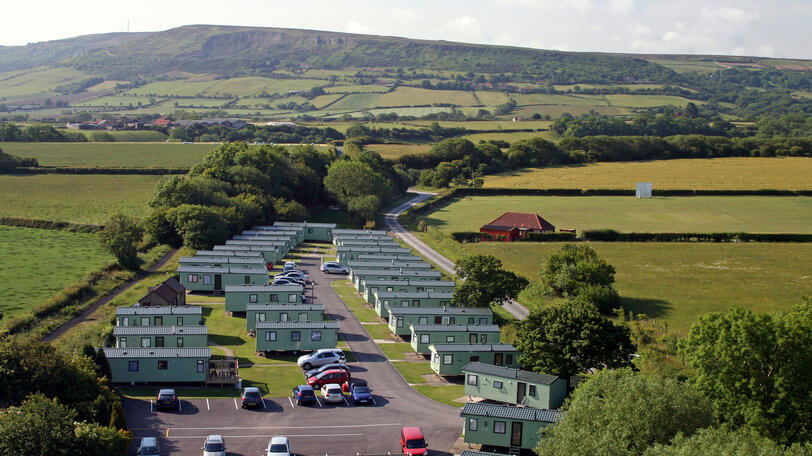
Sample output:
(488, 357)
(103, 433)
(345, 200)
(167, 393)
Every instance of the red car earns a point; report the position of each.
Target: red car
(412, 442)
(329, 376)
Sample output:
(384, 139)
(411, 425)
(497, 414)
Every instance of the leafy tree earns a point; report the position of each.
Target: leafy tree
(120, 236)
(572, 267)
(161, 228)
(10, 162)
(620, 412)
(571, 338)
(603, 297)
(715, 441)
(365, 206)
(347, 179)
(40, 426)
(289, 211)
(483, 281)
(755, 368)
(199, 226)
(95, 440)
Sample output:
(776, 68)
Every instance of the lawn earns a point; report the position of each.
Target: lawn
(126, 136)
(443, 393)
(88, 198)
(231, 332)
(413, 372)
(743, 173)
(757, 214)
(412, 96)
(675, 282)
(396, 350)
(513, 136)
(648, 101)
(395, 151)
(378, 331)
(111, 154)
(346, 292)
(366, 315)
(273, 381)
(35, 264)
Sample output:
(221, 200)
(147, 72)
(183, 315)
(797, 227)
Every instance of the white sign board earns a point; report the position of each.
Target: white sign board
(644, 190)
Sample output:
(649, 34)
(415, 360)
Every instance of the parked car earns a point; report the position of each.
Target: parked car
(333, 267)
(321, 369)
(278, 446)
(251, 397)
(320, 358)
(412, 442)
(289, 266)
(360, 393)
(327, 377)
(303, 394)
(148, 446)
(288, 281)
(167, 399)
(214, 446)
(299, 275)
(332, 392)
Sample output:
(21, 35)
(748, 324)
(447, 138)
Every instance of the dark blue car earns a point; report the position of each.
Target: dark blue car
(303, 394)
(360, 392)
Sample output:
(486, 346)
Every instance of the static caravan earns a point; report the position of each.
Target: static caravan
(392, 274)
(296, 336)
(369, 287)
(240, 253)
(449, 359)
(267, 229)
(158, 365)
(355, 232)
(425, 335)
(159, 316)
(256, 313)
(402, 318)
(281, 247)
(208, 278)
(389, 256)
(505, 426)
(388, 242)
(290, 241)
(239, 296)
(161, 336)
(223, 261)
(340, 240)
(321, 232)
(385, 300)
(271, 254)
(350, 253)
(514, 386)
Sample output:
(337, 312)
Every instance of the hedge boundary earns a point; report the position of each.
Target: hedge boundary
(616, 236)
(474, 236)
(49, 225)
(100, 170)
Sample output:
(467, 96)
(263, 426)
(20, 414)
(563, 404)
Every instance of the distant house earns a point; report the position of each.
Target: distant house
(233, 123)
(516, 225)
(163, 121)
(168, 293)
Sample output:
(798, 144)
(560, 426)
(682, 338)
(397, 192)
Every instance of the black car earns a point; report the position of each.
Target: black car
(167, 399)
(251, 397)
(321, 369)
(303, 394)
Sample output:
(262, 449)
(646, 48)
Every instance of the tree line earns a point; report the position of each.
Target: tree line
(253, 133)
(10, 132)
(10, 163)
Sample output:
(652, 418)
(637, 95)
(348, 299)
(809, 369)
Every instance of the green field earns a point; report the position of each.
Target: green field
(513, 136)
(128, 135)
(756, 214)
(412, 96)
(740, 173)
(111, 154)
(35, 264)
(394, 151)
(88, 198)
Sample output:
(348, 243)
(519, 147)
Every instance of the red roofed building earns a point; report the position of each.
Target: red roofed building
(163, 121)
(516, 225)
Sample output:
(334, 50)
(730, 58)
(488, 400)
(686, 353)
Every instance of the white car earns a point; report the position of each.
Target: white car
(331, 392)
(289, 266)
(278, 446)
(214, 446)
(293, 275)
(320, 358)
(332, 267)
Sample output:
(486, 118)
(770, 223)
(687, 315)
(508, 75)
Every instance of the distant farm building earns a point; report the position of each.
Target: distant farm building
(515, 225)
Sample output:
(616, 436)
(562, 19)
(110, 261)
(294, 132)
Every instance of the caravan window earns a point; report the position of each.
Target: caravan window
(423, 320)
(472, 424)
(206, 280)
(133, 366)
(424, 338)
(200, 366)
(315, 336)
(499, 427)
(163, 365)
(259, 316)
(252, 298)
(448, 359)
(295, 336)
(473, 380)
(274, 298)
(180, 341)
(532, 391)
(192, 278)
(292, 298)
(270, 336)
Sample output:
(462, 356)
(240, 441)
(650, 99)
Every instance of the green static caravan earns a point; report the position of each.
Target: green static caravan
(449, 359)
(223, 261)
(388, 265)
(505, 426)
(159, 316)
(161, 336)
(349, 238)
(389, 256)
(296, 336)
(208, 278)
(228, 253)
(514, 386)
(278, 247)
(425, 335)
(321, 232)
(369, 286)
(267, 229)
(290, 241)
(385, 300)
(402, 318)
(388, 242)
(356, 232)
(158, 365)
(350, 253)
(240, 296)
(360, 276)
(271, 254)
(261, 313)
(478, 453)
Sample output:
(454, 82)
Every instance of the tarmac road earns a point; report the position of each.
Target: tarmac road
(341, 429)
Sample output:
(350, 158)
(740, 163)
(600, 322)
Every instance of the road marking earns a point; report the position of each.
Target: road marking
(150, 405)
(235, 404)
(346, 401)
(180, 405)
(373, 401)
(167, 432)
(265, 436)
(263, 403)
(207, 405)
(340, 426)
(291, 403)
(317, 400)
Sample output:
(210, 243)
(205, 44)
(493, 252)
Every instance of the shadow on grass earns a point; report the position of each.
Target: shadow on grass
(226, 340)
(654, 308)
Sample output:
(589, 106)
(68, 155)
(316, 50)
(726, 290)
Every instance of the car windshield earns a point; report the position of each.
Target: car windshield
(361, 389)
(416, 443)
(215, 447)
(306, 392)
(278, 448)
(251, 394)
(166, 396)
(148, 450)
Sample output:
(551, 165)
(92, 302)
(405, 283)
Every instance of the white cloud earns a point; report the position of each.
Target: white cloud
(728, 14)
(638, 29)
(621, 6)
(357, 27)
(670, 35)
(405, 15)
(465, 24)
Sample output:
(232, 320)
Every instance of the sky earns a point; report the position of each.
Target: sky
(772, 28)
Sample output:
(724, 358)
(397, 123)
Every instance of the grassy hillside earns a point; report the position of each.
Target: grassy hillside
(111, 154)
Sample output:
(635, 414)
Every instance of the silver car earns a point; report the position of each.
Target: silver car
(278, 446)
(214, 446)
(320, 358)
(332, 267)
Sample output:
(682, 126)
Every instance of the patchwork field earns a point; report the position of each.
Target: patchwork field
(757, 214)
(111, 154)
(129, 136)
(743, 173)
(35, 264)
(75, 198)
(394, 151)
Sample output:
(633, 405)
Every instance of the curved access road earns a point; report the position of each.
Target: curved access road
(394, 225)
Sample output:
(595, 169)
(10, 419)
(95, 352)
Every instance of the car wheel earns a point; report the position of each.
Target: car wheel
(306, 366)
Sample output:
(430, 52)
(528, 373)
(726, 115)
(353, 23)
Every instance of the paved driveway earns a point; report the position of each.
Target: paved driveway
(341, 429)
